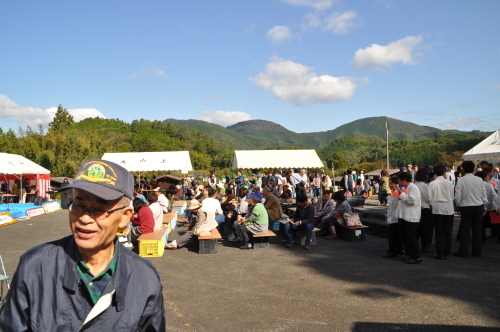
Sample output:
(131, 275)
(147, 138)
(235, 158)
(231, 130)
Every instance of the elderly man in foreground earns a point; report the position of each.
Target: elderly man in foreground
(87, 281)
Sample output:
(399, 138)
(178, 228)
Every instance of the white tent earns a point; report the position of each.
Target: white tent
(488, 149)
(152, 161)
(16, 164)
(255, 159)
(15, 167)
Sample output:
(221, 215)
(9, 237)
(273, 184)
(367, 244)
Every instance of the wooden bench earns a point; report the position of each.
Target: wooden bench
(170, 219)
(262, 241)
(352, 233)
(208, 244)
(152, 244)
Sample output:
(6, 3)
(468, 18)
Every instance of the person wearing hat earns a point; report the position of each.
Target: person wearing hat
(256, 222)
(162, 200)
(87, 281)
(205, 223)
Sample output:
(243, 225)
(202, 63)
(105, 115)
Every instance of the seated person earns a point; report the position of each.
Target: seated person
(256, 222)
(303, 220)
(205, 222)
(139, 194)
(286, 196)
(179, 192)
(335, 217)
(228, 206)
(141, 222)
(322, 207)
(272, 205)
(241, 211)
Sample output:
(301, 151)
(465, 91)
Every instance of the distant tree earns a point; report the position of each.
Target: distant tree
(450, 159)
(62, 120)
(338, 159)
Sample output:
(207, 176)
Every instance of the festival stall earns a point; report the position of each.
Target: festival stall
(277, 159)
(152, 161)
(14, 167)
(488, 149)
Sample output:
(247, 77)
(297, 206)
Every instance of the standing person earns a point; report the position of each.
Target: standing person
(162, 200)
(316, 184)
(409, 212)
(470, 196)
(492, 198)
(280, 181)
(396, 246)
(441, 200)
(238, 181)
(366, 186)
(361, 177)
(212, 181)
(425, 227)
(297, 182)
(348, 183)
(59, 285)
(303, 220)
(384, 189)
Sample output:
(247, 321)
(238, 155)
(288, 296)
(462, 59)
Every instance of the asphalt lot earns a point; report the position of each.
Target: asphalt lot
(336, 286)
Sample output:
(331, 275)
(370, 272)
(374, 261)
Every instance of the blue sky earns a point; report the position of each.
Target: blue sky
(309, 65)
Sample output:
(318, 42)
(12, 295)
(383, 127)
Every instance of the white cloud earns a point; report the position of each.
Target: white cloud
(316, 4)
(340, 23)
(460, 123)
(279, 34)
(496, 86)
(310, 21)
(300, 85)
(225, 118)
(378, 57)
(32, 116)
(466, 105)
(149, 71)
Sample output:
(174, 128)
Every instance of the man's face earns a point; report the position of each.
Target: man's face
(415, 168)
(265, 192)
(93, 235)
(158, 193)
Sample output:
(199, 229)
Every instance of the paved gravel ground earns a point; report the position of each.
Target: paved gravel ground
(336, 286)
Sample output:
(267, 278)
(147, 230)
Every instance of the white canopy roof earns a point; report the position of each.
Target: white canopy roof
(152, 161)
(255, 159)
(19, 165)
(488, 149)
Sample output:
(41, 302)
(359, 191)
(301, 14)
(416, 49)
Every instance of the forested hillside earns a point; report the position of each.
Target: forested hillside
(66, 144)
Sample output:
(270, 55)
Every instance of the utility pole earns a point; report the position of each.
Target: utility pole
(333, 171)
(387, 143)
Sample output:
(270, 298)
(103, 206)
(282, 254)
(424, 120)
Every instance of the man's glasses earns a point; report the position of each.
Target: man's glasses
(93, 213)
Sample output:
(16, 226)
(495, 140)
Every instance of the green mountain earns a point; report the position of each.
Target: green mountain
(237, 140)
(374, 126)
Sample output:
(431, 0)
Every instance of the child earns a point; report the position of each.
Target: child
(364, 196)
(395, 239)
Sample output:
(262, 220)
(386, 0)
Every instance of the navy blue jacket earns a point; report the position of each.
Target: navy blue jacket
(47, 295)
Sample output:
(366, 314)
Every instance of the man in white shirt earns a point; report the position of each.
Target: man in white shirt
(441, 198)
(425, 227)
(162, 200)
(295, 180)
(279, 182)
(213, 205)
(409, 212)
(470, 196)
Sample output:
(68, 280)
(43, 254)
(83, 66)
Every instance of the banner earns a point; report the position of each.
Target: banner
(6, 219)
(35, 212)
(51, 206)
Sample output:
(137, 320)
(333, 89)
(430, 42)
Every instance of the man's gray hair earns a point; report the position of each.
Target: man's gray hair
(267, 189)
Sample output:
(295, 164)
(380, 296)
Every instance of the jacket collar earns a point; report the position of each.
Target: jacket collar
(118, 282)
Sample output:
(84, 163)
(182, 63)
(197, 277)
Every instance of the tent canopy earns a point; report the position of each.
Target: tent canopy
(488, 149)
(19, 165)
(152, 161)
(255, 159)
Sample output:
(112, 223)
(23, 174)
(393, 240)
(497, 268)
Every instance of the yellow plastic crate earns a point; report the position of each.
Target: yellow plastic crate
(151, 248)
(121, 231)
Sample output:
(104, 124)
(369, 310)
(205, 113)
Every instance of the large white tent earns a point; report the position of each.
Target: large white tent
(15, 167)
(152, 161)
(488, 149)
(255, 159)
